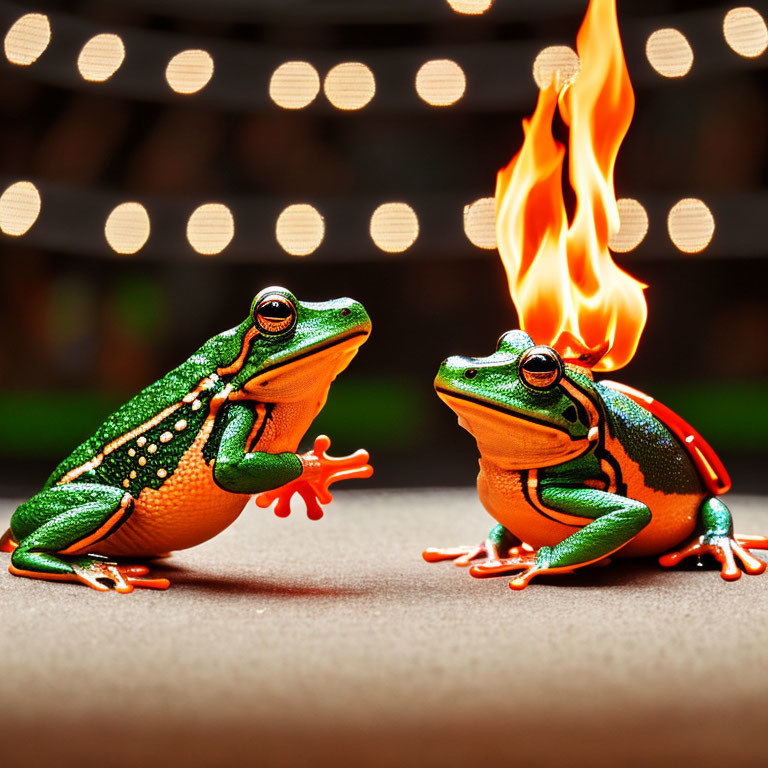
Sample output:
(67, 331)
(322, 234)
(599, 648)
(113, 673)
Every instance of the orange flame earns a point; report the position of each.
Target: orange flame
(567, 289)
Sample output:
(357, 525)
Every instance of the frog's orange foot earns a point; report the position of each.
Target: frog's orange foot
(464, 556)
(103, 576)
(7, 542)
(525, 562)
(729, 552)
(319, 472)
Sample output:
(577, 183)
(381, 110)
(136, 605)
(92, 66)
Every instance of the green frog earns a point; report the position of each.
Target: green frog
(576, 471)
(177, 464)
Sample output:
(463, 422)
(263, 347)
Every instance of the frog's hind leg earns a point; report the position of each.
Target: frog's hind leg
(55, 528)
(719, 541)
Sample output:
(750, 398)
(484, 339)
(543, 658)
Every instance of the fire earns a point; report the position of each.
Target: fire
(567, 289)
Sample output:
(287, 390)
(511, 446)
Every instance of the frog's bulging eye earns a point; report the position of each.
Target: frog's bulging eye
(540, 367)
(275, 314)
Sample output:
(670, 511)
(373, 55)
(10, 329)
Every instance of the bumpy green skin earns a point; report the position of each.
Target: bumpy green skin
(66, 512)
(495, 382)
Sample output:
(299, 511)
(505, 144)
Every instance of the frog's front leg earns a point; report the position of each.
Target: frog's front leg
(499, 544)
(617, 520)
(55, 529)
(278, 476)
(719, 541)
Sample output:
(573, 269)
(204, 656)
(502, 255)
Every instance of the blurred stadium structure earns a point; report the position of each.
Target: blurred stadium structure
(162, 160)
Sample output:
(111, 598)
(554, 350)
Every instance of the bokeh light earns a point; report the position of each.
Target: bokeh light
(480, 222)
(300, 229)
(470, 7)
(127, 228)
(27, 38)
(441, 82)
(210, 228)
(349, 85)
(394, 227)
(745, 31)
(19, 208)
(634, 226)
(189, 71)
(294, 85)
(669, 52)
(101, 57)
(691, 225)
(557, 62)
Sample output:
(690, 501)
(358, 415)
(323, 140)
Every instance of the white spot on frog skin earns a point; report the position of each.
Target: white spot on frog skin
(197, 405)
(141, 442)
(126, 482)
(593, 434)
(162, 473)
(179, 425)
(142, 461)
(133, 474)
(165, 437)
(152, 448)
(131, 452)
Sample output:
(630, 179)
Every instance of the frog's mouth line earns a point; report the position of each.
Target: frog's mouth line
(311, 352)
(513, 414)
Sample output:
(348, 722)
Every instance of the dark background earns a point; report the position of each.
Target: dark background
(84, 329)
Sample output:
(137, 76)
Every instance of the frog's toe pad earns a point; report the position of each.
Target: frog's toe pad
(732, 555)
(103, 576)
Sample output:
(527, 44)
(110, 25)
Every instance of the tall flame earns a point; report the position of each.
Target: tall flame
(567, 289)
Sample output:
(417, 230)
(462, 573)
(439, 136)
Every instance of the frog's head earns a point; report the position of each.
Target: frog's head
(289, 349)
(525, 407)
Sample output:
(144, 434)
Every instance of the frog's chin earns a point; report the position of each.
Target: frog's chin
(515, 441)
(305, 375)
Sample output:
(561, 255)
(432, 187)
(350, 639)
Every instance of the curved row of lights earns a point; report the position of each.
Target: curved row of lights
(300, 228)
(351, 85)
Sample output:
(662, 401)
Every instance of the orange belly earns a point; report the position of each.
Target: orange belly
(673, 516)
(188, 509)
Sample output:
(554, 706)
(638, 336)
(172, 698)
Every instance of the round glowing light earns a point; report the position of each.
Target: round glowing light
(210, 228)
(294, 85)
(669, 52)
(349, 85)
(27, 38)
(394, 227)
(300, 229)
(691, 225)
(634, 226)
(745, 31)
(101, 57)
(19, 208)
(189, 71)
(480, 222)
(470, 7)
(557, 63)
(127, 228)
(441, 82)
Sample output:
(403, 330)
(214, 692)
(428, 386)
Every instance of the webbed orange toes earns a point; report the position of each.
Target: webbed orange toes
(517, 562)
(103, 576)
(729, 552)
(319, 472)
(462, 556)
(751, 541)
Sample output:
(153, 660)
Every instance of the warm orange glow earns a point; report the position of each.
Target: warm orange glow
(567, 289)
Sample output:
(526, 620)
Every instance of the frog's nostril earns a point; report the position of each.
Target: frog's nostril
(346, 311)
(470, 373)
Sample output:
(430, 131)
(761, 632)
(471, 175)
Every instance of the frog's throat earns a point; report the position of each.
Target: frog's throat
(316, 367)
(514, 440)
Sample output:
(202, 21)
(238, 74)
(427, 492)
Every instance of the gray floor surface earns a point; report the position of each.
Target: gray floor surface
(299, 643)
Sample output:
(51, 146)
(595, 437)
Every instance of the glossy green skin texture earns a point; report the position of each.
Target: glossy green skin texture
(616, 519)
(66, 511)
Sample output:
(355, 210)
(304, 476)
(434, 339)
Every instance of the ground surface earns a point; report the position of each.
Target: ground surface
(293, 643)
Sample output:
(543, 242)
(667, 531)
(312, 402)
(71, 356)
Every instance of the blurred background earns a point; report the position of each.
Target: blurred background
(163, 160)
